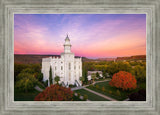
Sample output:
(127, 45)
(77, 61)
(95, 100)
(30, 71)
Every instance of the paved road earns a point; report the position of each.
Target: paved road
(104, 96)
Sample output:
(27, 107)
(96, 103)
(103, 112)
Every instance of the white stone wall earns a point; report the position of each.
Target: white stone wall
(60, 67)
(57, 64)
(46, 62)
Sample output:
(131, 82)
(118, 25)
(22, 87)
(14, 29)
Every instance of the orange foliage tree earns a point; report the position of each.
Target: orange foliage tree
(55, 93)
(123, 80)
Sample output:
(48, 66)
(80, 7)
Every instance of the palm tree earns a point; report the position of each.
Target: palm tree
(57, 79)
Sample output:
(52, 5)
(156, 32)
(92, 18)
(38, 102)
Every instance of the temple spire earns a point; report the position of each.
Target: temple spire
(67, 45)
(67, 38)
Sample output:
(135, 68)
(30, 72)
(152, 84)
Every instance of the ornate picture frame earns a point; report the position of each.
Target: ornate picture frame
(10, 7)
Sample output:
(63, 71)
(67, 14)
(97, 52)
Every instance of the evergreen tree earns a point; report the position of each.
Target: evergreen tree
(57, 79)
(84, 73)
(104, 73)
(97, 75)
(50, 76)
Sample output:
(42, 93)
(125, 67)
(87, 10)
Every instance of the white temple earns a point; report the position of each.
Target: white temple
(67, 66)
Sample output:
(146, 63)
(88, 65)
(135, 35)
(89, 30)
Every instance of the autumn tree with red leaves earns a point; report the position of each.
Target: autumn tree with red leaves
(123, 80)
(55, 93)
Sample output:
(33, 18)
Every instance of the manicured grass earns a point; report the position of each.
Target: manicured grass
(22, 96)
(112, 91)
(102, 79)
(91, 96)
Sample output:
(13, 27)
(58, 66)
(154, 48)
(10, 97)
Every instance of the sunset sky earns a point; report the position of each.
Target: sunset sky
(91, 35)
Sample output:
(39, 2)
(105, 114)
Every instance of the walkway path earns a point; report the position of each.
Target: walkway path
(38, 88)
(102, 81)
(96, 82)
(76, 88)
(99, 94)
(104, 96)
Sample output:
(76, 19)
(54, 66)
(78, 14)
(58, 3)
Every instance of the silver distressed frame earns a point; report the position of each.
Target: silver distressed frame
(10, 7)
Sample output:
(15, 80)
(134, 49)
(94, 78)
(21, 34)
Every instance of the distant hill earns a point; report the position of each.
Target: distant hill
(30, 59)
(137, 57)
(35, 59)
(84, 59)
(106, 59)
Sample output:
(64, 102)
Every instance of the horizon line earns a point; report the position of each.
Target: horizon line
(86, 56)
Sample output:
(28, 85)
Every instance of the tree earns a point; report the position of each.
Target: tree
(55, 93)
(50, 76)
(84, 72)
(124, 66)
(57, 79)
(36, 67)
(38, 76)
(93, 76)
(45, 83)
(97, 75)
(123, 80)
(140, 73)
(18, 68)
(28, 70)
(82, 79)
(26, 82)
(104, 73)
(115, 67)
(25, 75)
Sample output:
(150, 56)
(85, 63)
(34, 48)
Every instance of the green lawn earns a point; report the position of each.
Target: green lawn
(102, 79)
(108, 88)
(91, 96)
(21, 96)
